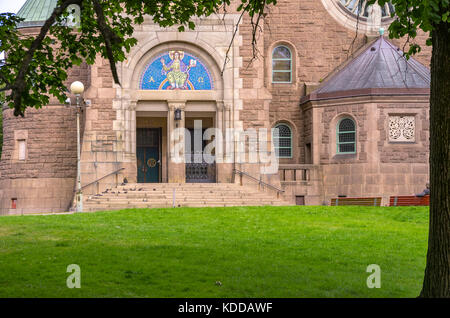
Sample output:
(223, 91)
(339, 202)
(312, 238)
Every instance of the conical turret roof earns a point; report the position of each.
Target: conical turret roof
(36, 12)
(379, 69)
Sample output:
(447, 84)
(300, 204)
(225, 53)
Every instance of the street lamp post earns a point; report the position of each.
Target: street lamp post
(77, 88)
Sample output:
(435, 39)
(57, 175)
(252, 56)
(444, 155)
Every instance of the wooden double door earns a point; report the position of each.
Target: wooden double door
(148, 142)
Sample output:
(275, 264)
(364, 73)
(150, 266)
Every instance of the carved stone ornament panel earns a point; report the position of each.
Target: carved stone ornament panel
(402, 128)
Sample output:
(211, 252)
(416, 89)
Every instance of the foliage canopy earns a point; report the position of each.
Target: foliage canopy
(412, 15)
(36, 64)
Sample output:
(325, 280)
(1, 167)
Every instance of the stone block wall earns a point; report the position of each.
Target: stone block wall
(101, 144)
(43, 180)
(50, 159)
(319, 44)
(416, 152)
(302, 180)
(379, 167)
(36, 195)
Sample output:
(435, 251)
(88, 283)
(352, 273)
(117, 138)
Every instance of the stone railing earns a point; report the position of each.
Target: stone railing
(298, 172)
(302, 183)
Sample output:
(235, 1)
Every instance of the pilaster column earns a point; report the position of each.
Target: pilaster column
(227, 114)
(132, 111)
(229, 146)
(175, 135)
(130, 127)
(225, 171)
(128, 130)
(221, 127)
(220, 116)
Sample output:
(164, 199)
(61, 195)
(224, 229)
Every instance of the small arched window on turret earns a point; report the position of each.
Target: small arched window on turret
(74, 16)
(281, 65)
(346, 136)
(283, 141)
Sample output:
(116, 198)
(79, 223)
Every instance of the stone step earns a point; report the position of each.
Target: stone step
(147, 193)
(156, 206)
(137, 190)
(185, 200)
(186, 192)
(123, 205)
(183, 194)
(179, 185)
(160, 195)
(178, 195)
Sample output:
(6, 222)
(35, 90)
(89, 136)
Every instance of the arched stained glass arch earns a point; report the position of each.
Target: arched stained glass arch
(176, 70)
(360, 7)
(283, 141)
(346, 136)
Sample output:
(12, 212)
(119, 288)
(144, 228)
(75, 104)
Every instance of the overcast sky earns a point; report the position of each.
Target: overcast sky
(11, 5)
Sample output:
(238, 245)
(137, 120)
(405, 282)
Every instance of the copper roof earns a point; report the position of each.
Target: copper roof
(36, 12)
(381, 69)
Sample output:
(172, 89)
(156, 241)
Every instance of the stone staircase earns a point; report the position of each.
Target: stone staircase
(166, 195)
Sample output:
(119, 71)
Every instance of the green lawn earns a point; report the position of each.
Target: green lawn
(252, 251)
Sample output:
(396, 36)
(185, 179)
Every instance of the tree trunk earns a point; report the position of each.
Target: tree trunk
(437, 272)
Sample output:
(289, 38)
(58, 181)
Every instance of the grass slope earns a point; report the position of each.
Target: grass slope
(253, 251)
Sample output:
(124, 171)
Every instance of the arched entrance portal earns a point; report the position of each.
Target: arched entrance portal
(179, 87)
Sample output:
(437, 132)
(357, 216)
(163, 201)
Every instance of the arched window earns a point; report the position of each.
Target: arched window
(346, 136)
(283, 141)
(281, 65)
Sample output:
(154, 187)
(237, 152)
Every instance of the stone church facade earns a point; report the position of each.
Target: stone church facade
(351, 113)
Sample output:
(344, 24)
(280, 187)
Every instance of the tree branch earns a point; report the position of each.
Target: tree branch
(7, 83)
(19, 85)
(255, 28)
(110, 39)
(227, 58)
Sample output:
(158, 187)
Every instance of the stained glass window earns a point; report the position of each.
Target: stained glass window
(281, 65)
(283, 141)
(346, 136)
(359, 7)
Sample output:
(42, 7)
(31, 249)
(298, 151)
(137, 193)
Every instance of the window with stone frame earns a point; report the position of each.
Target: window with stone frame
(281, 65)
(20, 145)
(282, 138)
(402, 128)
(346, 136)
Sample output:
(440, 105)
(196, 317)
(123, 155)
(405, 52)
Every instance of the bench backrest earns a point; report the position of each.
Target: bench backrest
(374, 201)
(408, 200)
